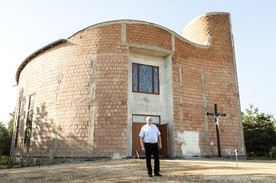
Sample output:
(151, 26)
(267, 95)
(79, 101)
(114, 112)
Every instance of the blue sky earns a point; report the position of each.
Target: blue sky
(29, 25)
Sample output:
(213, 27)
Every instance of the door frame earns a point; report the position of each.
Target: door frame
(137, 123)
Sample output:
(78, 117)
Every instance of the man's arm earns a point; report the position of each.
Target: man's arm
(142, 143)
(159, 141)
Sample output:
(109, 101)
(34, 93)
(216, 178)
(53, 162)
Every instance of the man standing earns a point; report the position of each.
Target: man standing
(150, 140)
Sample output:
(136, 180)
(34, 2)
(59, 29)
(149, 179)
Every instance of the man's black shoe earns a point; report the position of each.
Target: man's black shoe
(150, 175)
(158, 174)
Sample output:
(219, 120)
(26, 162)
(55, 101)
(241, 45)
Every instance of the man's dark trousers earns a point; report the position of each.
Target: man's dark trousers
(152, 149)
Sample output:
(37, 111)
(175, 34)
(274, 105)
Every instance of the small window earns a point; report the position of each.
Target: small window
(145, 78)
(140, 118)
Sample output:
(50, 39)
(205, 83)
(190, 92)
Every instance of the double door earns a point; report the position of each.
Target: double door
(136, 146)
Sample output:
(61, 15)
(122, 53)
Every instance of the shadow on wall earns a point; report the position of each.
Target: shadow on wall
(49, 142)
(57, 140)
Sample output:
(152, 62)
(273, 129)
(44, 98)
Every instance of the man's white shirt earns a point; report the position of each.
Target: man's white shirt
(149, 133)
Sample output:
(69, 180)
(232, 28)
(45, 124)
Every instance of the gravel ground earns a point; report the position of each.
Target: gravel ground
(134, 170)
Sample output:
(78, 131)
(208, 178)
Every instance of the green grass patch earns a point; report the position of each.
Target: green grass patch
(4, 160)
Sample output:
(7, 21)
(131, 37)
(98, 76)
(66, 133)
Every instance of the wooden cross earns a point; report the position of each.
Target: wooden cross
(217, 115)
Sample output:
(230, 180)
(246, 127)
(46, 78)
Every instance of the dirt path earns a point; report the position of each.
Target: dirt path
(134, 170)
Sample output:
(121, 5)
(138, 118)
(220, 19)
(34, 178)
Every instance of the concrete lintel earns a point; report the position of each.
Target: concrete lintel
(150, 50)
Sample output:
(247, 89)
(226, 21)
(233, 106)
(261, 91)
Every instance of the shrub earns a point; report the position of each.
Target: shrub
(5, 140)
(259, 132)
(273, 152)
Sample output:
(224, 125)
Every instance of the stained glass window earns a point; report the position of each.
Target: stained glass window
(145, 78)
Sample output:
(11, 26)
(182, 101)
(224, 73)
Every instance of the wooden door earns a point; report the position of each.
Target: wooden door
(164, 152)
(136, 146)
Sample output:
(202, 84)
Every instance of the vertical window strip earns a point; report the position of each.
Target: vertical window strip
(135, 77)
(156, 80)
(28, 130)
(20, 103)
(138, 78)
(145, 78)
(152, 79)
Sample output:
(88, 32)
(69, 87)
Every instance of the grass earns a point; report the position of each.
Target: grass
(4, 159)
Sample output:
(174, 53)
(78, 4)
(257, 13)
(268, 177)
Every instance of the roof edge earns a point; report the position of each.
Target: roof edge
(131, 21)
(35, 54)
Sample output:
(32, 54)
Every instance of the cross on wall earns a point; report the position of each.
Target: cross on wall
(217, 115)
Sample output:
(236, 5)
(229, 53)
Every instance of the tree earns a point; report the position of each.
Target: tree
(10, 124)
(259, 131)
(5, 140)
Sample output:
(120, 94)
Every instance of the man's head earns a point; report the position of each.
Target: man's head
(148, 120)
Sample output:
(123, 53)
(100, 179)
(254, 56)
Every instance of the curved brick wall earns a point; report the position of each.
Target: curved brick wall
(209, 77)
(81, 88)
(198, 30)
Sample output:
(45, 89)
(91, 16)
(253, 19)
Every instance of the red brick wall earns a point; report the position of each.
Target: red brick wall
(148, 35)
(220, 83)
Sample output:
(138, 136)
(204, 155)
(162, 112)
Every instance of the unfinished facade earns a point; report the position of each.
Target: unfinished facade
(87, 96)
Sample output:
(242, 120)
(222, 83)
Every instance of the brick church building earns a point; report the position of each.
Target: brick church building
(87, 96)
